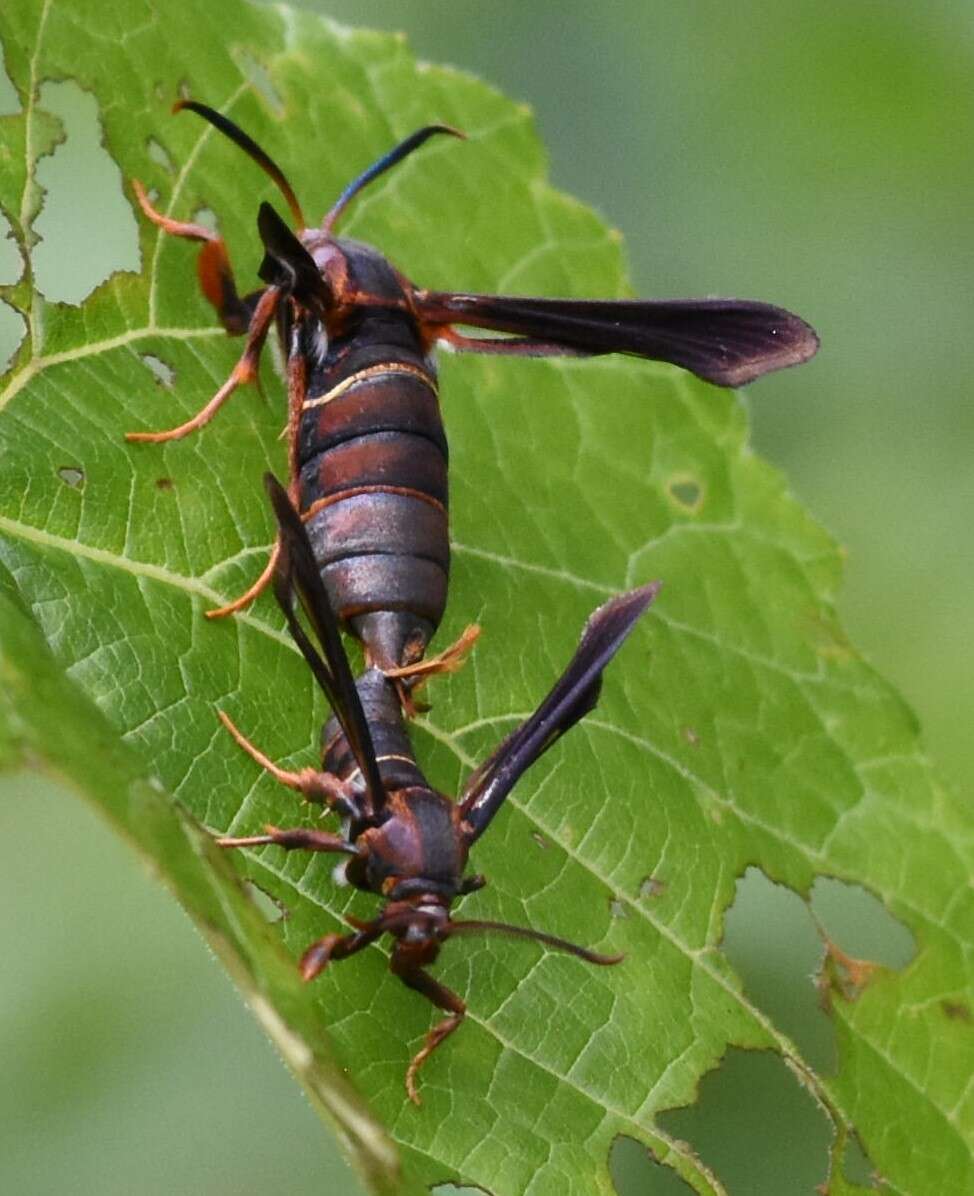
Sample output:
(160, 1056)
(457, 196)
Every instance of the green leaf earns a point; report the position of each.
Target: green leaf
(47, 723)
(737, 728)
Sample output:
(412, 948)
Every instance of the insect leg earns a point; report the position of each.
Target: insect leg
(409, 678)
(254, 591)
(442, 998)
(212, 267)
(297, 837)
(317, 786)
(511, 346)
(244, 371)
(336, 946)
(297, 373)
(447, 661)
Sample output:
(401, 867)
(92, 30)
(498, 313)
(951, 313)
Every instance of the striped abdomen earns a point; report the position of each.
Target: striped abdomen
(415, 845)
(372, 458)
(393, 750)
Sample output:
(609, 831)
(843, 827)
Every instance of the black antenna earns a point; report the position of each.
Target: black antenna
(249, 146)
(467, 926)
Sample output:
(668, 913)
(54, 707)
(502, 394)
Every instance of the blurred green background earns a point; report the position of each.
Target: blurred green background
(819, 155)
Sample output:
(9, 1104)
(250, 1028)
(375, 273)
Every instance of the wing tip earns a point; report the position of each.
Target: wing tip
(630, 604)
(791, 341)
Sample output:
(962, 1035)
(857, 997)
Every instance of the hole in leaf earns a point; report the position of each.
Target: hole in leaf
(617, 908)
(685, 491)
(652, 886)
(774, 941)
(272, 909)
(13, 329)
(771, 940)
(72, 476)
(756, 1126)
(165, 375)
(206, 217)
(540, 840)
(635, 1172)
(258, 75)
(86, 227)
(858, 922)
(159, 154)
(165, 484)
(856, 1165)
(11, 262)
(9, 100)
(457, 1190)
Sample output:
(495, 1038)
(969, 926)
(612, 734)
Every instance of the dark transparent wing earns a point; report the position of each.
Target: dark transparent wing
(725, 341)
(297, 574)
(574, 694)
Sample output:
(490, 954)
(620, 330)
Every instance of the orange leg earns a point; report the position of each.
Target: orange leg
(253, 592)
(315, 785)
(442, 998)
(409, 678)
(297, 388)
(511, 346)
(244, 371)
(447, 661)
(295, 837)
(213, 266)
(335, 946)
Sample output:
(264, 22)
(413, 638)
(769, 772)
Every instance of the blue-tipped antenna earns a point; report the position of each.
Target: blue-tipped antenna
(402, 150)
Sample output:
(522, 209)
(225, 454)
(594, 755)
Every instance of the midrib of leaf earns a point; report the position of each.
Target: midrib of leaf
(100, 556)
(34, 366)
(509, 562)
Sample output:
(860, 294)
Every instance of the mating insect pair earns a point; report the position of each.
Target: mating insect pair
(366, 445)
(406, 841)
(370, 548)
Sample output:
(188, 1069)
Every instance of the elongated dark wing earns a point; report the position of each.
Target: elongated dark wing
(725, 341)
(573, 695)
(297, 573)
(288, 264)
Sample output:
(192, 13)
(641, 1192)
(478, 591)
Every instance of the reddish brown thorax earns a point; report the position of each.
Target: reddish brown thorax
(419, 842)
(357, 276)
